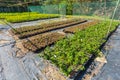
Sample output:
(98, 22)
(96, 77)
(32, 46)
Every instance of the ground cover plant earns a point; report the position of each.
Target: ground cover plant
(26, 16)
(70, 54)
(24, 32)
(40, 41)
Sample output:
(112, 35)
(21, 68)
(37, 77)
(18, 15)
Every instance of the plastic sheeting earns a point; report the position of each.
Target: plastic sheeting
(13, 68)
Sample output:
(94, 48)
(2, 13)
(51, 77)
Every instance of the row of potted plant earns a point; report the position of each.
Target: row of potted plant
(40, 41)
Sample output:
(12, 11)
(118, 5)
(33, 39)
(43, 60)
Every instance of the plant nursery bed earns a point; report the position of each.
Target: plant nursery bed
(43, 30)
(37, 42)
(25, 16)
(80, 27)
(31, 31)
(72, 54)
(34, 19)
(96, 65)
(43, 25)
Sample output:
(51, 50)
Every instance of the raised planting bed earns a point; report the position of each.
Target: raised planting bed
(27, 32)
(72, 53)
(25, 16)
(37, 42)
(44, 25)
(80, 27)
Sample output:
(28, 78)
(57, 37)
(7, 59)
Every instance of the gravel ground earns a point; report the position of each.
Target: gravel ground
(111, 70)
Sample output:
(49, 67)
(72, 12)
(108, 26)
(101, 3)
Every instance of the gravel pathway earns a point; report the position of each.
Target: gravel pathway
(111, 70)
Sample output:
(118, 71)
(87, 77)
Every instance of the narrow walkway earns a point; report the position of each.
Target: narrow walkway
(111, 70)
